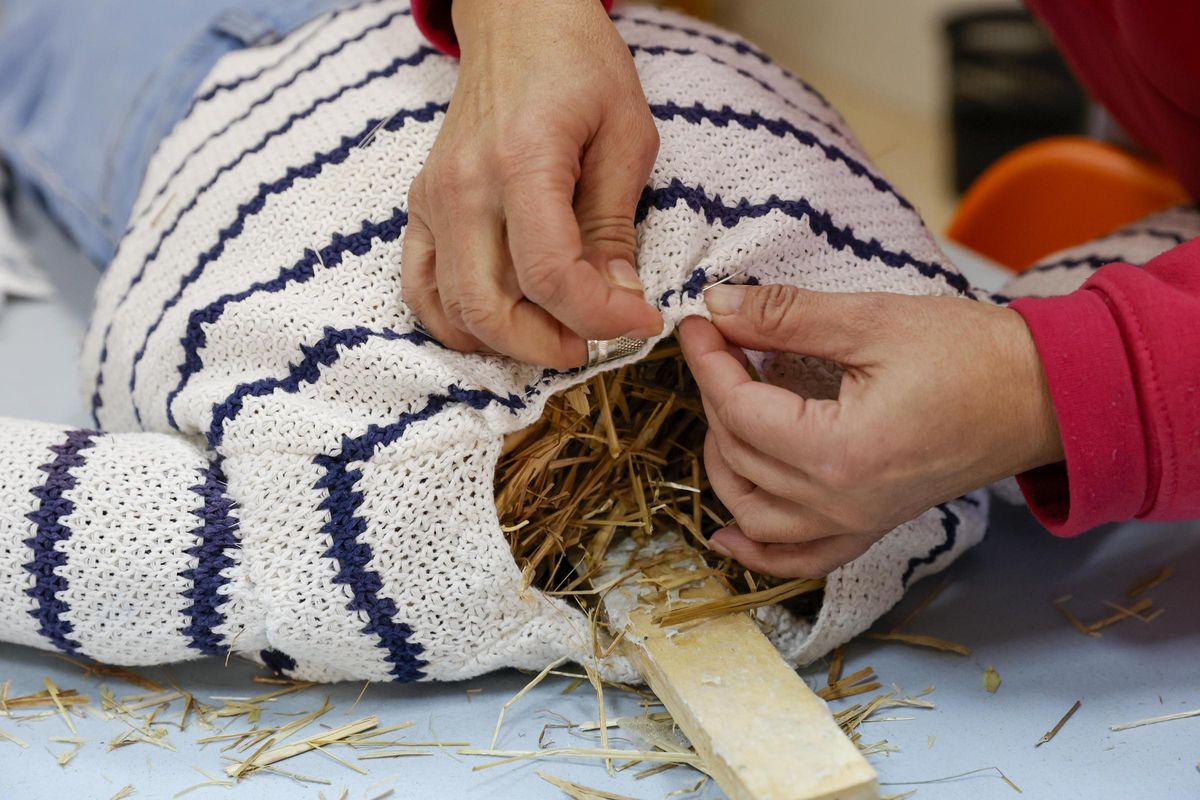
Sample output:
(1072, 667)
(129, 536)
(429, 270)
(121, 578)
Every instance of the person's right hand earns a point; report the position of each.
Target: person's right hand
(520, 236)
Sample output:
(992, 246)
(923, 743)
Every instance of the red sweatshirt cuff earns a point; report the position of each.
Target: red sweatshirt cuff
(433, 19)
(1104, 475)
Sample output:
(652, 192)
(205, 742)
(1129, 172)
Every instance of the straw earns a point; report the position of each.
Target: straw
(617, 456)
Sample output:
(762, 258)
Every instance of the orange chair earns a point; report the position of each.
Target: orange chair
(1055, 193)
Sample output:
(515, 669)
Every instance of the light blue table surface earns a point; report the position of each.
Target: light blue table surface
(997, 600)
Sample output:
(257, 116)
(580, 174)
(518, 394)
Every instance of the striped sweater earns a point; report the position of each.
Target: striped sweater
(284, 465)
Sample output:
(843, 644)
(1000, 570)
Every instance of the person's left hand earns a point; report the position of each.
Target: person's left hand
(939, 396)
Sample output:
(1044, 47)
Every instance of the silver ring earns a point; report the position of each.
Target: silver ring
(601, 351)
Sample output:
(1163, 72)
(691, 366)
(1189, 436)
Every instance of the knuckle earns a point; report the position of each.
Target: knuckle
(769, 528)
(453, 308)
(841, 476)
(542, 280)
(615, 231)
(845, 471)
(518, 153)
(416, 192)
(737, 415)
(774, 309)
(480, 317)
(733, 418)
(736, 459)
(646, 140)
(755, 528)
(455, 183)
(411, 295)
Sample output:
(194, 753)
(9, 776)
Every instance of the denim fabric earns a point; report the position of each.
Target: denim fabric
(88, 88)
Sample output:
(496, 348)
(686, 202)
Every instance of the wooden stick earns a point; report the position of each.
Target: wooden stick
(760, 731)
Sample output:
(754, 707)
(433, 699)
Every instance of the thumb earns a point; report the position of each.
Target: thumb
(613, 172)
(829, 325)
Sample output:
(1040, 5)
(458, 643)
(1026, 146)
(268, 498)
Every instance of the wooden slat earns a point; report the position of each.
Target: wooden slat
(762, 732)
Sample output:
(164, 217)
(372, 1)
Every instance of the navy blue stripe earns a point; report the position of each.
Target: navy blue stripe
(277, 661)
(1161, 234)
(52, 508)
(326, 351)
(255, 205)
(357, 243)
(251, 207)
(1157, 233)
(236, 82)
(1095, 262)
(1091, 262)
(780, 128)
(682, 51)
(345, 527)
(950, 522)
(312, 65)
(217, 535)
(695, 283)
(820, 222)
(737, 45)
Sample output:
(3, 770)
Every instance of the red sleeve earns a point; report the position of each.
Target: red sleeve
(433, 18)
(1122, 359)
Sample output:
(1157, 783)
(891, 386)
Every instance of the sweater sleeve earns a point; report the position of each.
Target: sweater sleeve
(433, 18)
(112, 545)
(1122, 359)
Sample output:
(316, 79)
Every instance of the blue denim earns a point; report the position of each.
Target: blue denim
(88, 88)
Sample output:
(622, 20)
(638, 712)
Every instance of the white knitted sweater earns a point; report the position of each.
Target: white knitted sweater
(291, 470)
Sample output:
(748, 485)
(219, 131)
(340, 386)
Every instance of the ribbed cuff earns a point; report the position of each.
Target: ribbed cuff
(1104, 476)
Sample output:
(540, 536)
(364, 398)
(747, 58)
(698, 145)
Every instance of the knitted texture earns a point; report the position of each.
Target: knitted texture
(1066, 270)
(292, 470)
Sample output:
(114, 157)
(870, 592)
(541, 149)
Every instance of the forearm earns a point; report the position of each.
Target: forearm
(1121, 356)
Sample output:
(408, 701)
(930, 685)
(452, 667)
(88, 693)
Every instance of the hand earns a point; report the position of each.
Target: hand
(939, 396)
(520, 236)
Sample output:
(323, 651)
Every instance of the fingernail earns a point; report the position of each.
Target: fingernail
(725, 299)
(642, 333)
(621, 273)
(645, 332)
(720, 548)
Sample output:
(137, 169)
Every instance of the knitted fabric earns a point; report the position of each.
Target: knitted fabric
(1137, 243)
(292, 470)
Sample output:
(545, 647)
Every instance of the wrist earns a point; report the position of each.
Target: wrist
(478, 21)
(473, 18)
(1036, 421)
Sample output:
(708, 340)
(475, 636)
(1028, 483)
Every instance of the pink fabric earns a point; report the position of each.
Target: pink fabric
(1122, 354)
(433, 18)
(1141, 59)
(1122, 358)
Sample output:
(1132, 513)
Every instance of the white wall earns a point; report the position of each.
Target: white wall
(890, 48)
